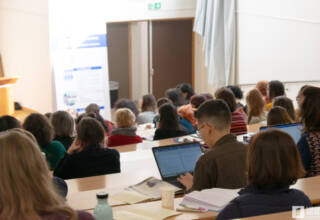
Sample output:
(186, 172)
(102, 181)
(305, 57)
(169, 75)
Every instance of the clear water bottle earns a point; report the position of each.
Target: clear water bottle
(103, 211)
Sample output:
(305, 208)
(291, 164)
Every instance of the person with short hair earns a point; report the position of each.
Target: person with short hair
(309, 143)
(148, 109)
(87, 155)
(286, 103)
(238, 94)
(238, 119)
(63, 126)
(95, 109)
(126, 103)
(275, 89)
(187, 92)
(278, 116)
(26, 187)
(169, 126)
(42, 130)
(8, 122)
(224, 164)
(187, 111)
(125, 131)
(273, 165)
(176, 97)
(255, 107)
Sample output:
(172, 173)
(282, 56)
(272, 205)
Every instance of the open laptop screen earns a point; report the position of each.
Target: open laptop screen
(175, 160)
(295, 130)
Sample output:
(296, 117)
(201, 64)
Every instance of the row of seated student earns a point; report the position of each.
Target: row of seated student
(221, 166)
(265, 169)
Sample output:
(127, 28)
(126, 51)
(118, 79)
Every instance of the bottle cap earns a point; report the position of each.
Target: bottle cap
(102, 195)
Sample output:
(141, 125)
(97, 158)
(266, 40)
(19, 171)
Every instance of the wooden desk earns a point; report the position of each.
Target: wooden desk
(254, 128)
(82, 191)
(287, 215)
(311, 187)
(184, 215)
(135, 167)
(22, 114)
(145, 145)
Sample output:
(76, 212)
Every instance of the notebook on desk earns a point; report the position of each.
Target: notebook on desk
(175, 160)
(295, 130)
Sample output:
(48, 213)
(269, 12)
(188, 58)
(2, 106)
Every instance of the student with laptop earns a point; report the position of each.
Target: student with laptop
(224, 164)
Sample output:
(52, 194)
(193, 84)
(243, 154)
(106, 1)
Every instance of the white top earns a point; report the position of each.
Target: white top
(146, 117)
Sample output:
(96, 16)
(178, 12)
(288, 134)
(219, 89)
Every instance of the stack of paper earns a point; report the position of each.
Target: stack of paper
(145, 213)
(151, 187)
(211, 199)
(130, 197)
(148, 189)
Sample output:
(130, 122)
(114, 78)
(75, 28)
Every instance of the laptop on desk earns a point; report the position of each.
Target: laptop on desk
(175, 160)
(294, 129)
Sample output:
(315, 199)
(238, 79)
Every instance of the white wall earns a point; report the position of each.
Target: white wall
(274, 37)
(278, 40)
(24, 38)
(139, 59)
(24, 46)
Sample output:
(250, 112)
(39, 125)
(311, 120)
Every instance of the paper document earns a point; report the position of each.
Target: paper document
(151, 187)
(212, 199)
(130, 197)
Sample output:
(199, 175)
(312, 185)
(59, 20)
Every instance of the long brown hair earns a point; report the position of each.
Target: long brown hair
(26, 188)
(273, 160)
(40, 127)
(228, 96)
(148, 103)
(255, 104)
(310, 109)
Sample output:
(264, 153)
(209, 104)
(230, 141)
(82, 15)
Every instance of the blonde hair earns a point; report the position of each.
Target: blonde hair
(26, 188)
(125, 118)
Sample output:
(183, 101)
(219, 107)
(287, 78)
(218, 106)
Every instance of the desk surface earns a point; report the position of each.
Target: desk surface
(183, 216)
(310, 213)
(22, 114)
(137, 166)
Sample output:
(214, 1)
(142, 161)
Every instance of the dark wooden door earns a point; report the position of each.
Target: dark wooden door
(172, 54)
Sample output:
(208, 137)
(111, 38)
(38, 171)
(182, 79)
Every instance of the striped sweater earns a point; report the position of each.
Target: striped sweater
(238, 123)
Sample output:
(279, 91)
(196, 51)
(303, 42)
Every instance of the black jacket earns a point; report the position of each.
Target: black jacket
(66, 141)
(91, 161)
(253, 202)
(168, 133)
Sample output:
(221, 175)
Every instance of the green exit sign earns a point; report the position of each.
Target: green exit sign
(154, 6)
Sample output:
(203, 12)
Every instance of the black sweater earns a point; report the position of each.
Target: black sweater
(91, 161)
(66, 141)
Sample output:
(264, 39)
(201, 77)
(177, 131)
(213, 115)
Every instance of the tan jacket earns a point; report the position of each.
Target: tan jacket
(223, 166)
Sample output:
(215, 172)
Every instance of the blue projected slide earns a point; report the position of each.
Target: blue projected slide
(176, 160)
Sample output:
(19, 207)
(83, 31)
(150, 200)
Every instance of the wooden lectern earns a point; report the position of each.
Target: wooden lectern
(6, 100)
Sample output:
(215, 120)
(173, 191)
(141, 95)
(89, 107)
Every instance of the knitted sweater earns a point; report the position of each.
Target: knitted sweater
(123, 136)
